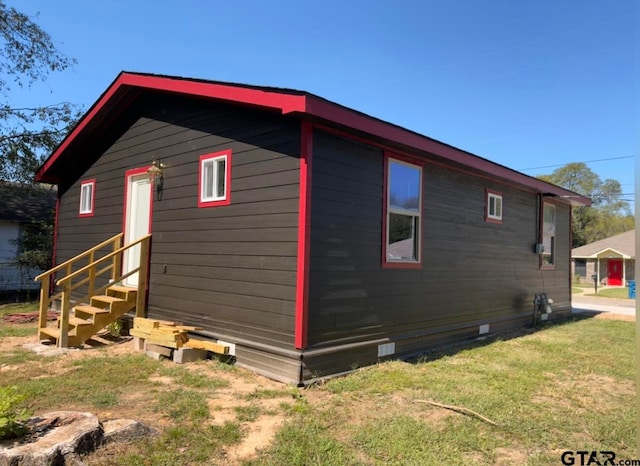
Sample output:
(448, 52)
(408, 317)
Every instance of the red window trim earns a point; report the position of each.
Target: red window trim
(91, 182)
(486, 207)
(227, 187)
(396, 264)
(543, 201)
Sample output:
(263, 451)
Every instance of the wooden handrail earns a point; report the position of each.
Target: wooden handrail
(79, 256)
(99, 261)
(93, 270)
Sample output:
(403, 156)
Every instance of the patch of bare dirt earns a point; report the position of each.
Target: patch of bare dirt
(603, 386)
(12, 343)
(510, 456)
(258, 436)
(244, 390)
(613, 316)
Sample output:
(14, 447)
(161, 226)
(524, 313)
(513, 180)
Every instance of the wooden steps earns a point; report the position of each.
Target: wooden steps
(90, 311)
(87, 320)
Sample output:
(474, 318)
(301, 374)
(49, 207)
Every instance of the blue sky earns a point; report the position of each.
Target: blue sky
(524, 84)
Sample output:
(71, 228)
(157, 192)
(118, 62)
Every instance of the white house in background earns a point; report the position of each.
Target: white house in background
(612, 260)
(20, 206)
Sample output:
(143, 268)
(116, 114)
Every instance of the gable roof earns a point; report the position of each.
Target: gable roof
(127, 87)
(623, 244)
(26, 204)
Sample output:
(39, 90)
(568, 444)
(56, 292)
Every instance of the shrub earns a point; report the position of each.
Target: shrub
(12, 417)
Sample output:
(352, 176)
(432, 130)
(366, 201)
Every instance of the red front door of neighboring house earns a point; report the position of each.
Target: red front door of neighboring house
(614, 275)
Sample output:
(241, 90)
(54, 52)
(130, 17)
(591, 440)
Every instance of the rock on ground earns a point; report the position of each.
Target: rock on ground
(59, 438)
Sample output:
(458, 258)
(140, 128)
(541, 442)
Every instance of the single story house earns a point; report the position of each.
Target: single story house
(612, 260)
(21, 206)
(308, 236)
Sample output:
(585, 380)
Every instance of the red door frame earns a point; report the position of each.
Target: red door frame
(614, 274)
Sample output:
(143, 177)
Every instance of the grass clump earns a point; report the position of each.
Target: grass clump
(263, 394)
(306, 442)
(192, 379)
(247, 413)
(94, 381)
(184, 445)
(181, 405)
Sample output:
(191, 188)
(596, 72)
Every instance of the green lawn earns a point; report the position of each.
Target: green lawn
(564, 387)
(611, 293)
(22, 330)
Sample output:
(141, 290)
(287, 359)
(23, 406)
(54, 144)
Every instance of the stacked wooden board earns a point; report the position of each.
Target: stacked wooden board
(172, 335)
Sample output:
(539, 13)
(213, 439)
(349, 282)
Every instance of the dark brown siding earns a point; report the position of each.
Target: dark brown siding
(230, 269)
(473, 272)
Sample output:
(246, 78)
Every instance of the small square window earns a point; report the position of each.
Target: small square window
(494, 207)
(215, 179)
(87, 196)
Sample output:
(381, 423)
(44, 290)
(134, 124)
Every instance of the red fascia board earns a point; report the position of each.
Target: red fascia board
(313, 106)
(286, 103)
(389, 132)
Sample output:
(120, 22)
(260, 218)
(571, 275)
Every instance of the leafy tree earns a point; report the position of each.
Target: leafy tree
(608, 215)
(27, 135)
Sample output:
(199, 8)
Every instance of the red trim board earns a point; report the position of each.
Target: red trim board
(304, 236)
(54, 253)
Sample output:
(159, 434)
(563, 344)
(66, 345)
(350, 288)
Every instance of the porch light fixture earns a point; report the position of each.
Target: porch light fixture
(156, 177)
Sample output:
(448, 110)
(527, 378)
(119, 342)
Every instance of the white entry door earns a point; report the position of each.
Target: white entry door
(137, 221)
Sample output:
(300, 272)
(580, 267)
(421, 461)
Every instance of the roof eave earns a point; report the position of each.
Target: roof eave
(286, 103)
(295, 103)
(354, 120)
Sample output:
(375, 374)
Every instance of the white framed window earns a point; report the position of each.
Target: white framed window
(494, 207)
(215, 179)
(548, 253)
(87, 197)
(403, 216)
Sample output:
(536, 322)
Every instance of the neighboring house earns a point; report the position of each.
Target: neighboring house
(312, 237)
(20, 207)
(612, 260)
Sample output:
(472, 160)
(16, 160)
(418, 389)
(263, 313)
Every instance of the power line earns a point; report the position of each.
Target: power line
(586, 161)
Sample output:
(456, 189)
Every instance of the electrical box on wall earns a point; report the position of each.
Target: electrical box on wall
(539, 248)
(386, 349)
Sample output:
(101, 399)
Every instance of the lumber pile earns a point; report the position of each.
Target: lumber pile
(162, 333)
(208, 346)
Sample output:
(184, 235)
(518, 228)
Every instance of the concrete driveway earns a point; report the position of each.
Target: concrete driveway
(582, 303)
